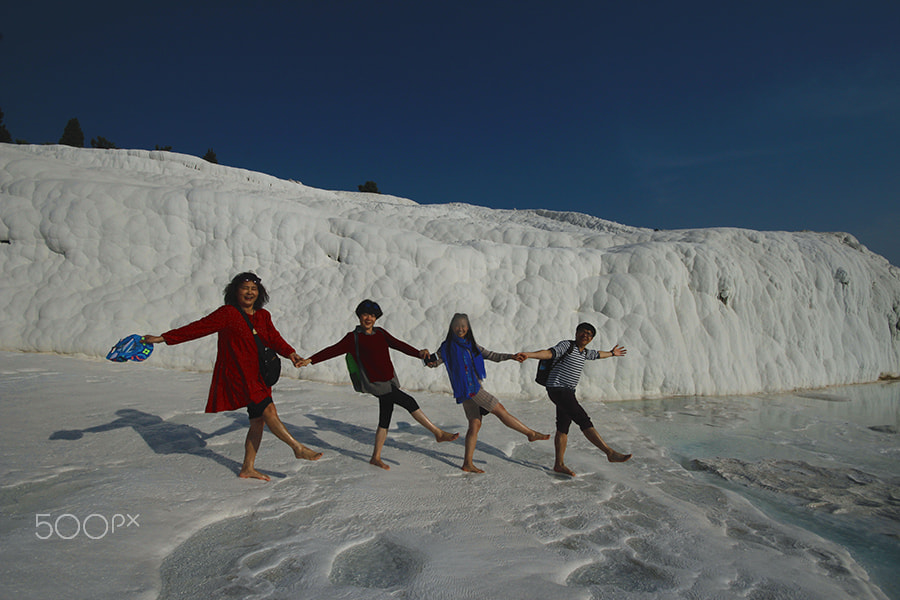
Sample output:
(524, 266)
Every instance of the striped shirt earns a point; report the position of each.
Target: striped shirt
(567, 371)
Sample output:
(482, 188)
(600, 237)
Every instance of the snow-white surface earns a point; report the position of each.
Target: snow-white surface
(85, 440)
(97, 244)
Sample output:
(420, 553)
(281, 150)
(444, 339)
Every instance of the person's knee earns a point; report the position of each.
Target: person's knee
(475, 425)
(409, 404)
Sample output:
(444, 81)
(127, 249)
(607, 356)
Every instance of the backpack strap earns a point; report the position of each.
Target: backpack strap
(564, 354)
(259, 343)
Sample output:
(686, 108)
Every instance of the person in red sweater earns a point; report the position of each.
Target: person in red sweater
(370, 347)
(236, 381)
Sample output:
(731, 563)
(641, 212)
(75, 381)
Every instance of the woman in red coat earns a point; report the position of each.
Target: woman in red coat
(236, 380)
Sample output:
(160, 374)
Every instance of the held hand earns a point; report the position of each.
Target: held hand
(618, 350)
(304, 362)
(152, 339)
(296, 359)
(424, 354)
(520, 357)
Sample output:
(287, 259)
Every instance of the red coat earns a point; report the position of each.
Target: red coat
(236, 380)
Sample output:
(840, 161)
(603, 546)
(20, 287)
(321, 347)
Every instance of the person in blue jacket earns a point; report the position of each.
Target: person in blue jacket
(464, 361)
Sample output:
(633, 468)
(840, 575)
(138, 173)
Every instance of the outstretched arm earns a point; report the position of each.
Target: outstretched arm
(539, 354)
(153, 339)
(616, 351)
(344, 346)
(404, 347)
(495, 356)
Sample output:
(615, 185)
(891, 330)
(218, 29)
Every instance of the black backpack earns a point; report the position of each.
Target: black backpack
(546, 365)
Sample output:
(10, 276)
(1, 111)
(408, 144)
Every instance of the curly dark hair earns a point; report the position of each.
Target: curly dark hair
(231, 290)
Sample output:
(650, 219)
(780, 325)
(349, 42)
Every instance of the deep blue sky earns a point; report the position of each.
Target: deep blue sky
(667, 114)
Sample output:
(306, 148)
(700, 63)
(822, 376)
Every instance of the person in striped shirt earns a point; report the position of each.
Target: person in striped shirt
(569, 357)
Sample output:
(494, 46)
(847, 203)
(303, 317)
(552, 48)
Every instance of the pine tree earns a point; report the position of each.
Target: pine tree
(211, 156)
(370, 187)
(102, 142)
(4, 132)
(72, 135)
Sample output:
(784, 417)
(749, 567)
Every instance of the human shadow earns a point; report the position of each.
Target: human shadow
(357, 433)
(305, 437)
(164, 437)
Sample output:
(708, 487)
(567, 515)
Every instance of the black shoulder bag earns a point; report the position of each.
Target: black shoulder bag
(269, 361)
(546, 365)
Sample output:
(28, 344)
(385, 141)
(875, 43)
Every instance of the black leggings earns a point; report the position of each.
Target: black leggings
(568, 410)
(386, 405)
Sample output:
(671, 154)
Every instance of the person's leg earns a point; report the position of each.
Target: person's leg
(385, 411)
(559, 445)
(565, 401)
(611, 455)
(489, 404)
(562, 398)
(471, 442)
(380, 438)
(516, 425)
(439, 434)
(251, 447)
(474, 414)
(273, 422)
(407, 402)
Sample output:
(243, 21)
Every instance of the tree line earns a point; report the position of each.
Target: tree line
(74, 136)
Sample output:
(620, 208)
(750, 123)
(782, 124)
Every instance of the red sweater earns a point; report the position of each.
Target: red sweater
(374, 354)
(236, 380)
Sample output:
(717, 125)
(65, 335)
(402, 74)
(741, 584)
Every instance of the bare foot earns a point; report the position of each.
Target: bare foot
(564, 470)
(379, 463)
(307, 454)
(446, 437)
(614, 456)
(535, 436)
(471, 469)
(253, 474)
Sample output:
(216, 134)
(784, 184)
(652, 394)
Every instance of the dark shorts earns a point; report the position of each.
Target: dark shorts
(256, 410)
(386, 405)
(568, 409)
